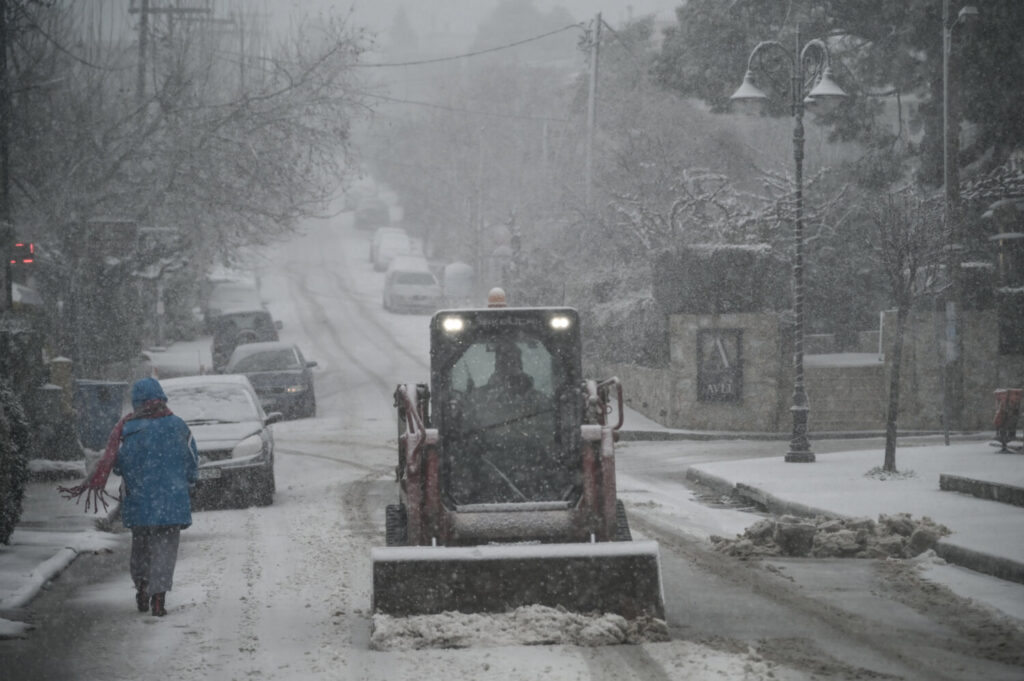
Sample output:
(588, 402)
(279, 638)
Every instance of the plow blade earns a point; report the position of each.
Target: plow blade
(608, 577)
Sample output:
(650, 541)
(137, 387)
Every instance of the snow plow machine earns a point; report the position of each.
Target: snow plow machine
(506, 472)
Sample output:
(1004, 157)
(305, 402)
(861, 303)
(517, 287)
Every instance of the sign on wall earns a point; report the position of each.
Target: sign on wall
(719, 365)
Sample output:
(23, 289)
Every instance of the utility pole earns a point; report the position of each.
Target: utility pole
(6, 226)
(140, 76)
(595, 46)
(144, 10)
(952, 370)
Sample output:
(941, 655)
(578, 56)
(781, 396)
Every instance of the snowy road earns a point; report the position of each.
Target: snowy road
(283, 592)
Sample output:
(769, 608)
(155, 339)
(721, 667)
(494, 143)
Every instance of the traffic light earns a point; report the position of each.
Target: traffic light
(23, 254)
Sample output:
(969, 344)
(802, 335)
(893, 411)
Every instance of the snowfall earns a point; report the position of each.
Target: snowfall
(839, 482)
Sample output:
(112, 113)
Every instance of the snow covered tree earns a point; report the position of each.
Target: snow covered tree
(909, 241)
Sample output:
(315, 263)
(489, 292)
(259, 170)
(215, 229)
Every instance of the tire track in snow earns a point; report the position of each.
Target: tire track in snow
(338, 346)
(870, 641)
(380, 470)
(344, 282)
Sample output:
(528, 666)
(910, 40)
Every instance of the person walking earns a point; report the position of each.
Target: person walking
(157, 461)
(154, 453)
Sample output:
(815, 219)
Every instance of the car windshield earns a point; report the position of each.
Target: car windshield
(504, 423)
(212, 403)
(415, 278)
(269, 360)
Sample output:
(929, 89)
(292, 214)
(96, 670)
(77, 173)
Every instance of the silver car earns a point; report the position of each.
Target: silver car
(233, 435)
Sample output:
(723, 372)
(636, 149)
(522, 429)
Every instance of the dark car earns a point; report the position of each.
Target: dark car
(236, 445)
(236, 327)
(281, 376)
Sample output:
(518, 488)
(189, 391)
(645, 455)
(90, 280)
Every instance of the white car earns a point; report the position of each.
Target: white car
(232, 433)
(410, 285)
(388, 243)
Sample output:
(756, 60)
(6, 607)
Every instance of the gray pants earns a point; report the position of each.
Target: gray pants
(154, 553)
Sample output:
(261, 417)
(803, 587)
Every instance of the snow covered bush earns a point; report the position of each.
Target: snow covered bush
(14, 445)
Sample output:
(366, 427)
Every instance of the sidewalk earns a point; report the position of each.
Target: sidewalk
(52, 532)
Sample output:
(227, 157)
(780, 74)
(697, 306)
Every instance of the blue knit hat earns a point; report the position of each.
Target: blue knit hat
(146, 389)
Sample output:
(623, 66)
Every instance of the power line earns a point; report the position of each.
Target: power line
(471, 54)
(468, 111)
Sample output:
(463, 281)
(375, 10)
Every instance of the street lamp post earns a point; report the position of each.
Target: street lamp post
(950, 210)
(810, 81)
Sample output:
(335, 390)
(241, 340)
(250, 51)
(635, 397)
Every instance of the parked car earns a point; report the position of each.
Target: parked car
(378, 235)
(232, 433)
(230, 295)
(238, 327)
(410, 285)
(280, 375)
(391, 245)
(371, 214)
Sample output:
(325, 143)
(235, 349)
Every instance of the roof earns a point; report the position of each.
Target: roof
(249, 349)
(409, 263)
(206, 379)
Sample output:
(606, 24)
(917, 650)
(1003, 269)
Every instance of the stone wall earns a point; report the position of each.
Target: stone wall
(984, 369)
(673, 397)
(844, 396)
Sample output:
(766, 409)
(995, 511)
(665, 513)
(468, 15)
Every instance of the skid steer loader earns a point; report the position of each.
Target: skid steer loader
(506, 472)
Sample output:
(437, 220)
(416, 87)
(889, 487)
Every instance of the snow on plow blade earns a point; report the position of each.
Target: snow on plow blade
(615, 577)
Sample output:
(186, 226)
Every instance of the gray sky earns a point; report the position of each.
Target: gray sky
(464, 15)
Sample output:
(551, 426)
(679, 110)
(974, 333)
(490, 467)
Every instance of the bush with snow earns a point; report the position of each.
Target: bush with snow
(14, 446)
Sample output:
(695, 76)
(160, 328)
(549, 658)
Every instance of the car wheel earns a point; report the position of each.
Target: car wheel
(311, 406)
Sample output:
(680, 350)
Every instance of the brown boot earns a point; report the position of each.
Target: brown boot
(141, 597)
(157, 605)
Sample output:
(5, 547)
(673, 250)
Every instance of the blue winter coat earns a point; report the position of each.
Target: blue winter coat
(157, 461)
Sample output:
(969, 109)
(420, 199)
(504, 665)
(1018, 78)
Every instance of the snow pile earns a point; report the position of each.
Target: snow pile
(44, 469)
(527, 625)
(891, 536)
(11, 629)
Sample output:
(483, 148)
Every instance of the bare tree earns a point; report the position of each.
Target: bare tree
(909, 240)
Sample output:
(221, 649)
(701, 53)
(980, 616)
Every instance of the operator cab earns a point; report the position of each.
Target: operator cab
(505, 389)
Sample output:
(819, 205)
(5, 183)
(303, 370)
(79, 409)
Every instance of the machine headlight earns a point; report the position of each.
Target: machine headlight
(453, 324)
(250, 446)
(295, 389)
(559, 323)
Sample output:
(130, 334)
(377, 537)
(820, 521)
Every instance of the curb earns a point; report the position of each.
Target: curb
(40, 575)
(995, 566)
(55, 564)
(982, 489)
(655, 435)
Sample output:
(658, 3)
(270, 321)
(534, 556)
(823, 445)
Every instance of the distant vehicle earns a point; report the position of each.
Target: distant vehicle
(459, 284)
(371, 214)
(392, 244)
(378, 235)
(280, 375)
(236, 445)
(230, 295)
(237, 327)
(410, 285)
